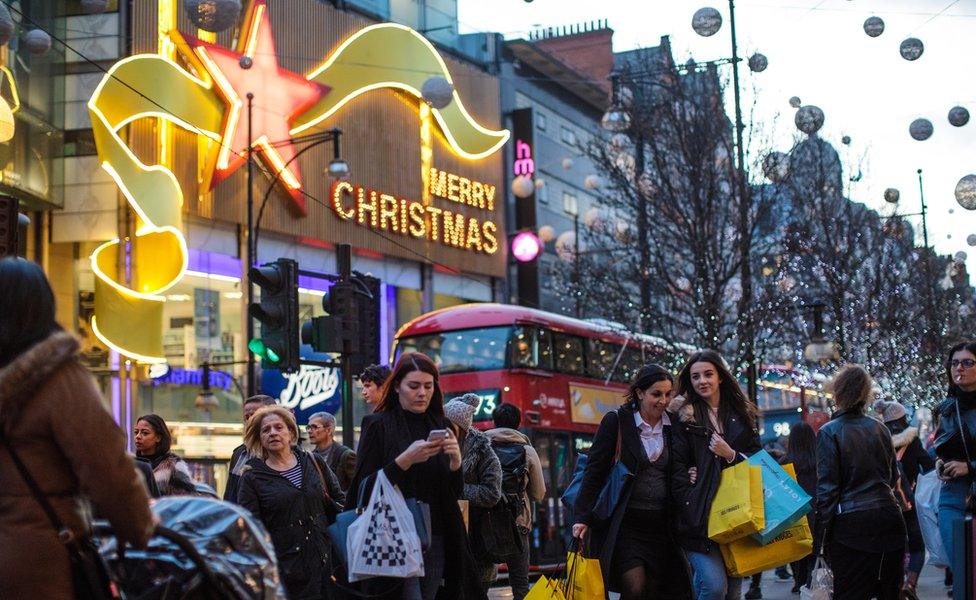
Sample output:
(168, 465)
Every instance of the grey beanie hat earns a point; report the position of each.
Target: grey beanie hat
(889, 411)
(461, 410)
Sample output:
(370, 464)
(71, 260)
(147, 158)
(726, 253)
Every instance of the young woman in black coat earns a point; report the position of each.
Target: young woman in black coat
(802, 454)
(638, 555)
(295, 495)
(395, 439)
(715, 429)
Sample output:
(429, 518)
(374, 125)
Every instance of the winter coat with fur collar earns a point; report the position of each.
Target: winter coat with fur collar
(52, 414)
(691, 434)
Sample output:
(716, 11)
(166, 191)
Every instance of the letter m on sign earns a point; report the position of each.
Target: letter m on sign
(524, 165)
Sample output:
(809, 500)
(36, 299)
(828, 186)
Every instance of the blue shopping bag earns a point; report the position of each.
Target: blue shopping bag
(785, 500)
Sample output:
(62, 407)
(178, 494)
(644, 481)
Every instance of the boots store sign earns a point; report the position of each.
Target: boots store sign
(202, 87)
(312, 389)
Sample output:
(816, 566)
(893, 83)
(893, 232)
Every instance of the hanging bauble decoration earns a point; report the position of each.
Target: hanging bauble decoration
(437, 91)
(37, 41)
(540, 183)
(622, 231)
(958, 116)
(776, 167)
(6, 24)
(971, 239)
(566, 246)
(846, 140)
(592, 182)
(809, 119)
(213, 15)
(93, 7)
(567, 164)
(966, 192)
(921, 129)
(547, 233)
(874, 26)
(683, 283)
(961, 256)
(795, 102)
(891, 195)
(619, 141)
(911, 49)
(646, 185)
(593, 218)
(758, 62)
(522, 187)
(706, 21)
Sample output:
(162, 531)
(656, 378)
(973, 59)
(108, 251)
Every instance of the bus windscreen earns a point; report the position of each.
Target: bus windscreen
(483, 349)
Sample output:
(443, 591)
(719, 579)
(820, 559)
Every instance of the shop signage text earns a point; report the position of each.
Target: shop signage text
(523, 165)
(309, 387)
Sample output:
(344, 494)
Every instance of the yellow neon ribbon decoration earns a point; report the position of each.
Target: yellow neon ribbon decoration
(129, 315)
(394, 56)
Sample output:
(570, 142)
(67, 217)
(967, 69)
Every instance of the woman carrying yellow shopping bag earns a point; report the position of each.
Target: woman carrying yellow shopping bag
(638, 554)
(715, 429)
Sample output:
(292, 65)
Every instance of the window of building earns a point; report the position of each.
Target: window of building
(542, 193)
(569, 353)
(540, 120)
(568, 136)
(570, 204)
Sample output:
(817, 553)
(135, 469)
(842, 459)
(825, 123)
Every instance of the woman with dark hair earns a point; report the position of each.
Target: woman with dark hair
(53, 419)
(955, 445)
(716, 429)
(802, 454)
(638, 555)
(859, 522)
(409, 438)
(152, 440)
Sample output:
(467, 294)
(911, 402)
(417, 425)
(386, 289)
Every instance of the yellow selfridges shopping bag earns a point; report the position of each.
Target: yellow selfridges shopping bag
(546, 589)
(737, 510)
(746, 556)
(584, 579)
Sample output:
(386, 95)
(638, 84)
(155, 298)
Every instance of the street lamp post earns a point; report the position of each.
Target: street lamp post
(251, 387)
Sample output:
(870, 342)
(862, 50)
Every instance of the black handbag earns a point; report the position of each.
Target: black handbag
(90, 574)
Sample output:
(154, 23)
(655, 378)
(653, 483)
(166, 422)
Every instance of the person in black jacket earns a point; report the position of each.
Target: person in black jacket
(409, 438)
(716, 429)
(955, 447)
(239, 457)
(295, 495)
(802, 454)
(638, 555)
(858, 517)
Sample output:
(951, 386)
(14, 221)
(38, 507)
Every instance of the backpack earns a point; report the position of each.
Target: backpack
(495, 532)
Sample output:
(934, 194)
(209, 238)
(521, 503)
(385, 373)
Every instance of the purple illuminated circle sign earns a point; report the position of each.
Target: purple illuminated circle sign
(526, 246)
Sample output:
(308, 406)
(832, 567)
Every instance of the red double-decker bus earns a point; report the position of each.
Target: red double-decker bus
(564, 374)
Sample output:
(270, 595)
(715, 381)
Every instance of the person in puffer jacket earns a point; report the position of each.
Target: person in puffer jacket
(507, 418)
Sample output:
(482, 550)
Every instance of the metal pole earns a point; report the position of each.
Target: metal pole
(251, 385)
(929, 296)
(577, 276)
(921, 195)
(745, 226)
(344, 260)
(645, 247)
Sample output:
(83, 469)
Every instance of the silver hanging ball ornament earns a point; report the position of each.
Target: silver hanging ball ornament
(776, 167)
(892, 195)
(437, 91)
(795, 102)
(540, 183)
(706, 21)
(592, 182)
(93, 7)
(6, 24)
(758, 62)
(971, 239)
(966, 192)
(522, 187)
(809, 119)
(846, 140)
(547, 233)
(874, 26)
(958, 116)
(567, 164)
(619, 141)
(37, 41)
(911, 49)
(921, 129)
(952, 211)
(961, 256)
(213, 15)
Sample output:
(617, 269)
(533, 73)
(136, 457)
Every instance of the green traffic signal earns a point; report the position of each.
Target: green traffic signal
(259, 348)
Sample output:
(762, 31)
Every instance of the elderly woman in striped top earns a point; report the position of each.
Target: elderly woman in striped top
(295, 495)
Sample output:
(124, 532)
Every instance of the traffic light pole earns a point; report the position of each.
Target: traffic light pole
(344, 260)
(249, 255)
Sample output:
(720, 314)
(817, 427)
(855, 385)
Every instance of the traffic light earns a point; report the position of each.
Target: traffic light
(352, 325)
(369, 323)
(278, 314)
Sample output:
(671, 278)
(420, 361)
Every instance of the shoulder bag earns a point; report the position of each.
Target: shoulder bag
(90, 574)
(970, 500)
(610, 494)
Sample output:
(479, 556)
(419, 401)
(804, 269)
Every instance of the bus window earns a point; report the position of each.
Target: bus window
(602, 357)
(569, 353)
(630, 364)
(462, 351)
(531, 348)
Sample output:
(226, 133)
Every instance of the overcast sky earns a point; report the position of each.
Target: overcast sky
(817, 50)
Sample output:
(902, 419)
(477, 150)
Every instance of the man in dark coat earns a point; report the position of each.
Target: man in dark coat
(341, 459)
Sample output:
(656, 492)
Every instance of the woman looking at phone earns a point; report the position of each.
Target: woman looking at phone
(409, 438)
(716, 429)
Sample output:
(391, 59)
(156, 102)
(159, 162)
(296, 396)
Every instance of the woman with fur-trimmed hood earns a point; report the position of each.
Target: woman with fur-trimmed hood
(716, 429)
(152, 440)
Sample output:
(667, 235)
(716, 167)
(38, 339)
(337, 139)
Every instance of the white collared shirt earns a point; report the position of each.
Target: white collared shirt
(652, 437)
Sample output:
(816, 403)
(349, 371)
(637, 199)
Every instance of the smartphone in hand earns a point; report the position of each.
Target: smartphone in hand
(437, 435)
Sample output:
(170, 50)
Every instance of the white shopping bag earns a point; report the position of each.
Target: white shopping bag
(383, 541)
(821, 582)
(927, 491)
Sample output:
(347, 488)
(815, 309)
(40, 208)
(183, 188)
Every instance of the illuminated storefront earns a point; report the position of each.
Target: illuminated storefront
(423, 206)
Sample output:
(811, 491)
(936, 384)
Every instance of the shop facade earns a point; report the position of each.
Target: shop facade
(148, 254)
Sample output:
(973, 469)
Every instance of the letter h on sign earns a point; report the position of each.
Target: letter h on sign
(524, 165)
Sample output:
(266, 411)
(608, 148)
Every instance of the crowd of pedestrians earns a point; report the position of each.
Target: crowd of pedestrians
(59, 447)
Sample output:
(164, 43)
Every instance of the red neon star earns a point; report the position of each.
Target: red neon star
(279, 97)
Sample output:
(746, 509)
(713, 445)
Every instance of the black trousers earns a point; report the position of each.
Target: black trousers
(860, 575)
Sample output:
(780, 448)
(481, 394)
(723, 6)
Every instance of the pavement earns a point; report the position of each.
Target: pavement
(929, 587)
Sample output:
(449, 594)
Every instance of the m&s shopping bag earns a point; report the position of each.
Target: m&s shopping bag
(737, 509)
(784, 501)
(746, 556)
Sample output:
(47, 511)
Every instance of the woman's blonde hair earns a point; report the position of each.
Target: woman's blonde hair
(252, 431)
(851, 387)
